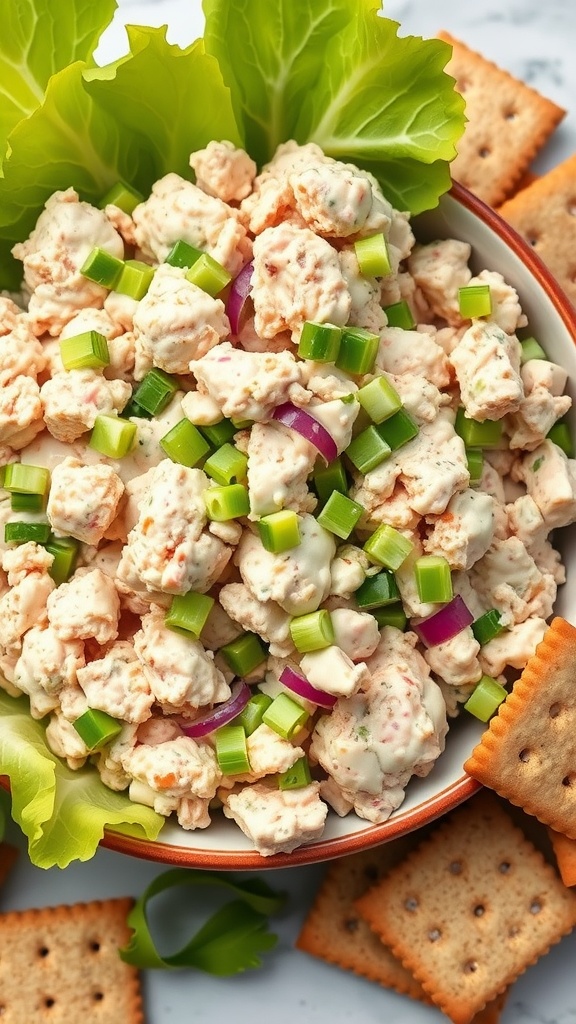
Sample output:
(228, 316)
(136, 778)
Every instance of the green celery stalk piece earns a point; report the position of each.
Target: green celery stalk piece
(384, 102)
(230, 941)
(38, 39)
(63, 813)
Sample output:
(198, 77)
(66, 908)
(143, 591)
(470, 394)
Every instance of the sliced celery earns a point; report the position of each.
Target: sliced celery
(312, 632)
(280, 531)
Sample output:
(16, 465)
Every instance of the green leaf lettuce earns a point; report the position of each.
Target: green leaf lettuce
(62, 813)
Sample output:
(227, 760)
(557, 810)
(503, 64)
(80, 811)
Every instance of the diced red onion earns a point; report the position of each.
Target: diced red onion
(298, 684)
(240, 291)
(240, 695)
(310, 429)
(443, 625)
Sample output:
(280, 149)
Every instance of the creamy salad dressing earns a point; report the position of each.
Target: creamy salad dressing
(99, 640)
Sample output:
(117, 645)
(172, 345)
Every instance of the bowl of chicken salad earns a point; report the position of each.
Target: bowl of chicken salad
(286, 453)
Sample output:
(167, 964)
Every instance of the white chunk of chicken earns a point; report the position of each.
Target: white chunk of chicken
(332, 671)
(456, 661)
(413, 352)
(20, 353)
(280, 461)
(356, 633)
(506, 309)
(74, 398)
(224, 171)
(266, 618)
(20, 412)
(464, 532)
(487, 365)
(83, 500)
(550, 478)
(439, 270)
(45, 665)
(117, 684)
(513, 647)
(24, 605)
(177, 768)
(276, 820)
(66, 232)
(507, 578)
(87, 605)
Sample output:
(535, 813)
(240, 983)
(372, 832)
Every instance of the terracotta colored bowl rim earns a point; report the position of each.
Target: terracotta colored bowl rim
(428, 810)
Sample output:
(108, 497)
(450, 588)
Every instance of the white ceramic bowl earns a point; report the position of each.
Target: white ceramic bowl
(552, 320)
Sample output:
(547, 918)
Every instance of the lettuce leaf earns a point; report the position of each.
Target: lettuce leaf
(40, 38)
(92, 123)
(62, 813)
(337, 74)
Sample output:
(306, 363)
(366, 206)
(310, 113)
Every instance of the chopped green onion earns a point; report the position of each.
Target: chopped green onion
(224, 503)
(391, 615)
(358, 350)
(399, 314)
(377, 591)
(20, 533)
(388, 547)
(227, 465)
(184, 443)
(340, 515)
(285, 716)
(561, 435)
(433, 579)
(487, 626)
(330, 478)
(132, 409)
(379, 399)
(218, 433)
(312, 632)
(26, 479)
(102, 268)
(373, 256)
(135, 279)
(113, 436)
(398, 429)
(183, 255)
(251, 715)
(97, 728)
(475, 463)
(27, 502)
(87, 351)
(487, 434)
(320, 342)
(155, 391)
(231, 752)
(531, 349)
(280, 531)
(475, 300)
(297, 776)
(188, 613)
(123, 196)
(368, 450)
(65, 552)
(244, 654)
(485, 698)
(206, 273)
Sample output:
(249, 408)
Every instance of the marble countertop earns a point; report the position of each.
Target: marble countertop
(535, 42)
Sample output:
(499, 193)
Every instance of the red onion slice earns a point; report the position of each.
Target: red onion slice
(240, 695)
(443, 625)
(310, 429)
(298, 684)
(240, 291)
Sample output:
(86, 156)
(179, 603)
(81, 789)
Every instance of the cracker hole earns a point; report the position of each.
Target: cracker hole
(98, 997)
(571, 207)
(504, 867)
(555, 709)
(524, 755)
(434, 934)
(49, 1002)
(535, 906)
(510, 115)
(95, 946)
(43, 951)
(568, 780)
(411, 903)
(371, 872)
(532, 238)
(351, 924)
(513, 931)
(479, 910)
(470, 967)
(484, 152)
(455, 867)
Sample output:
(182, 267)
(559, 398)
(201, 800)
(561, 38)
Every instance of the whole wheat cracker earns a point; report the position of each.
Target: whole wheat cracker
(565, 854)
(471, 908)
(544, 213)
(61, 965)
(508, 124)
(335, 932)
(528, 752)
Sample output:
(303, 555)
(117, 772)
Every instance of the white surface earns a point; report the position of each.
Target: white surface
(535, 42)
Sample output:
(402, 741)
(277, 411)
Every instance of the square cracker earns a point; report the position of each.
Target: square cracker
(61, 964)
(508, 124)
(335, 932)
(544, 213)
(528, 752)
(470, 908)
